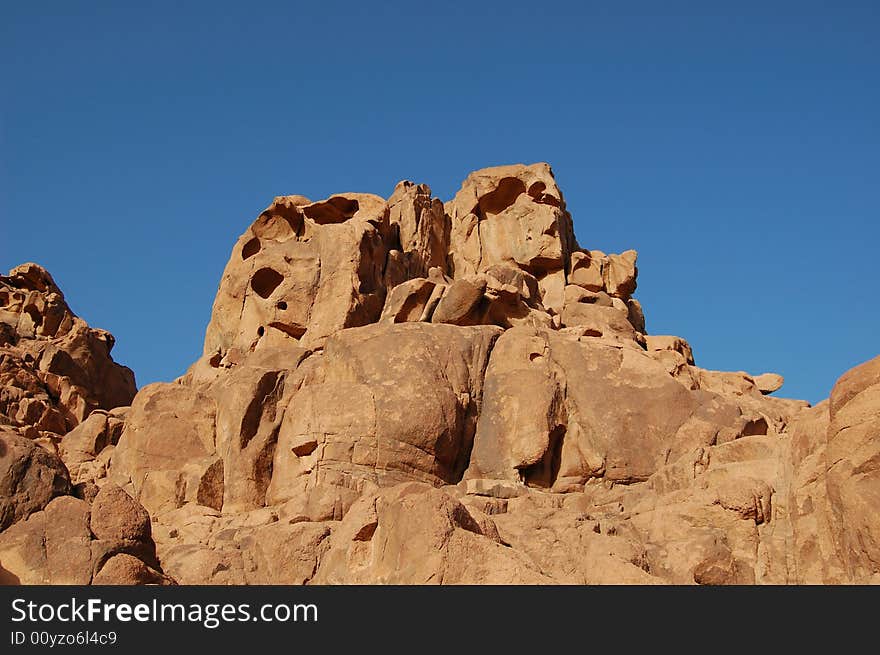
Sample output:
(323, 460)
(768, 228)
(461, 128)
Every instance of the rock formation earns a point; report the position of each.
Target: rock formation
(407, 391)
(62, 399)
(54, 369)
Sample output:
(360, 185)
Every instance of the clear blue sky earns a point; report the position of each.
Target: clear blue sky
(734, 145)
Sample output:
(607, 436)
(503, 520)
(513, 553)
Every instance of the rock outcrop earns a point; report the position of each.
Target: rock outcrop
(405, 391)
(62, 403)
(54, 369)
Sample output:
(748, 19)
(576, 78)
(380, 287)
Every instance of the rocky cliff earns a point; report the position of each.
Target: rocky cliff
(411, 391)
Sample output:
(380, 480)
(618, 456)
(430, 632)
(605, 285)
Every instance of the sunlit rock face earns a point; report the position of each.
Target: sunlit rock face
(411, 391)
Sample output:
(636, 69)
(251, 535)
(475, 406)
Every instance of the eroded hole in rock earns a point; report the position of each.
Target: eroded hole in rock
(251, 248)
(215, 360)
(755, 427)
(279, 223)
(281, 305)
(537, 190)
(292, 330)
(261, 331)
(592, 333)
(336, 209)
(265, 281)
(508, 190)
(307, 447)
(366, 532)
(543, 474)
(535, 357)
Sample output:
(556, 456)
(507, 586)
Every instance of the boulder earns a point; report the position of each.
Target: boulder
(30, 477)
(57, 546)
(675, 344)
(769, 382)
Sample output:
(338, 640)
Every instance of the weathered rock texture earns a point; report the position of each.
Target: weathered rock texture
(62, 399)
(54, 369)
(407, 391)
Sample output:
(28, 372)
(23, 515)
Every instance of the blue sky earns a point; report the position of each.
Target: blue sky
(735, 146)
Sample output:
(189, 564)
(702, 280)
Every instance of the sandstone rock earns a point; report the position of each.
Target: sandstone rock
(30, 477)
(586, 270)
(807, 501)
(728, 383)
(56, 546)
(495, 488)
(413, 300)
(125, 569)
(413, 534)
(321, 429)
(853, 468)
(619, 273)
(497, 210)
(167, 445)
(300, 272)
(380, 430)
(636, 315)
(462, 304)
(553, 411)
(599, 321)
(423, 229)
(54, 368)
(408, 392)
(117, 516)
(676, 344)
(768, 382)
(750, 498)
(198, 546)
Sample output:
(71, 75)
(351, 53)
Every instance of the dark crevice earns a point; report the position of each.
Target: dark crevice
(472, 415)
(262, 406)
(544, 473)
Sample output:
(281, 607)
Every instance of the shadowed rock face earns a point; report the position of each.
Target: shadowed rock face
(407, 391)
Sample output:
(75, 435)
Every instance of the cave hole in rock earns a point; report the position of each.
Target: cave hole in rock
(336, 209)
(265, 281)
(543, 473)
(506, 193)
(536, 191)
(261, 331)
(279, 224)
(281, 305)
(251, 248)
(291, 330)
(306, 448)
(756, 427)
